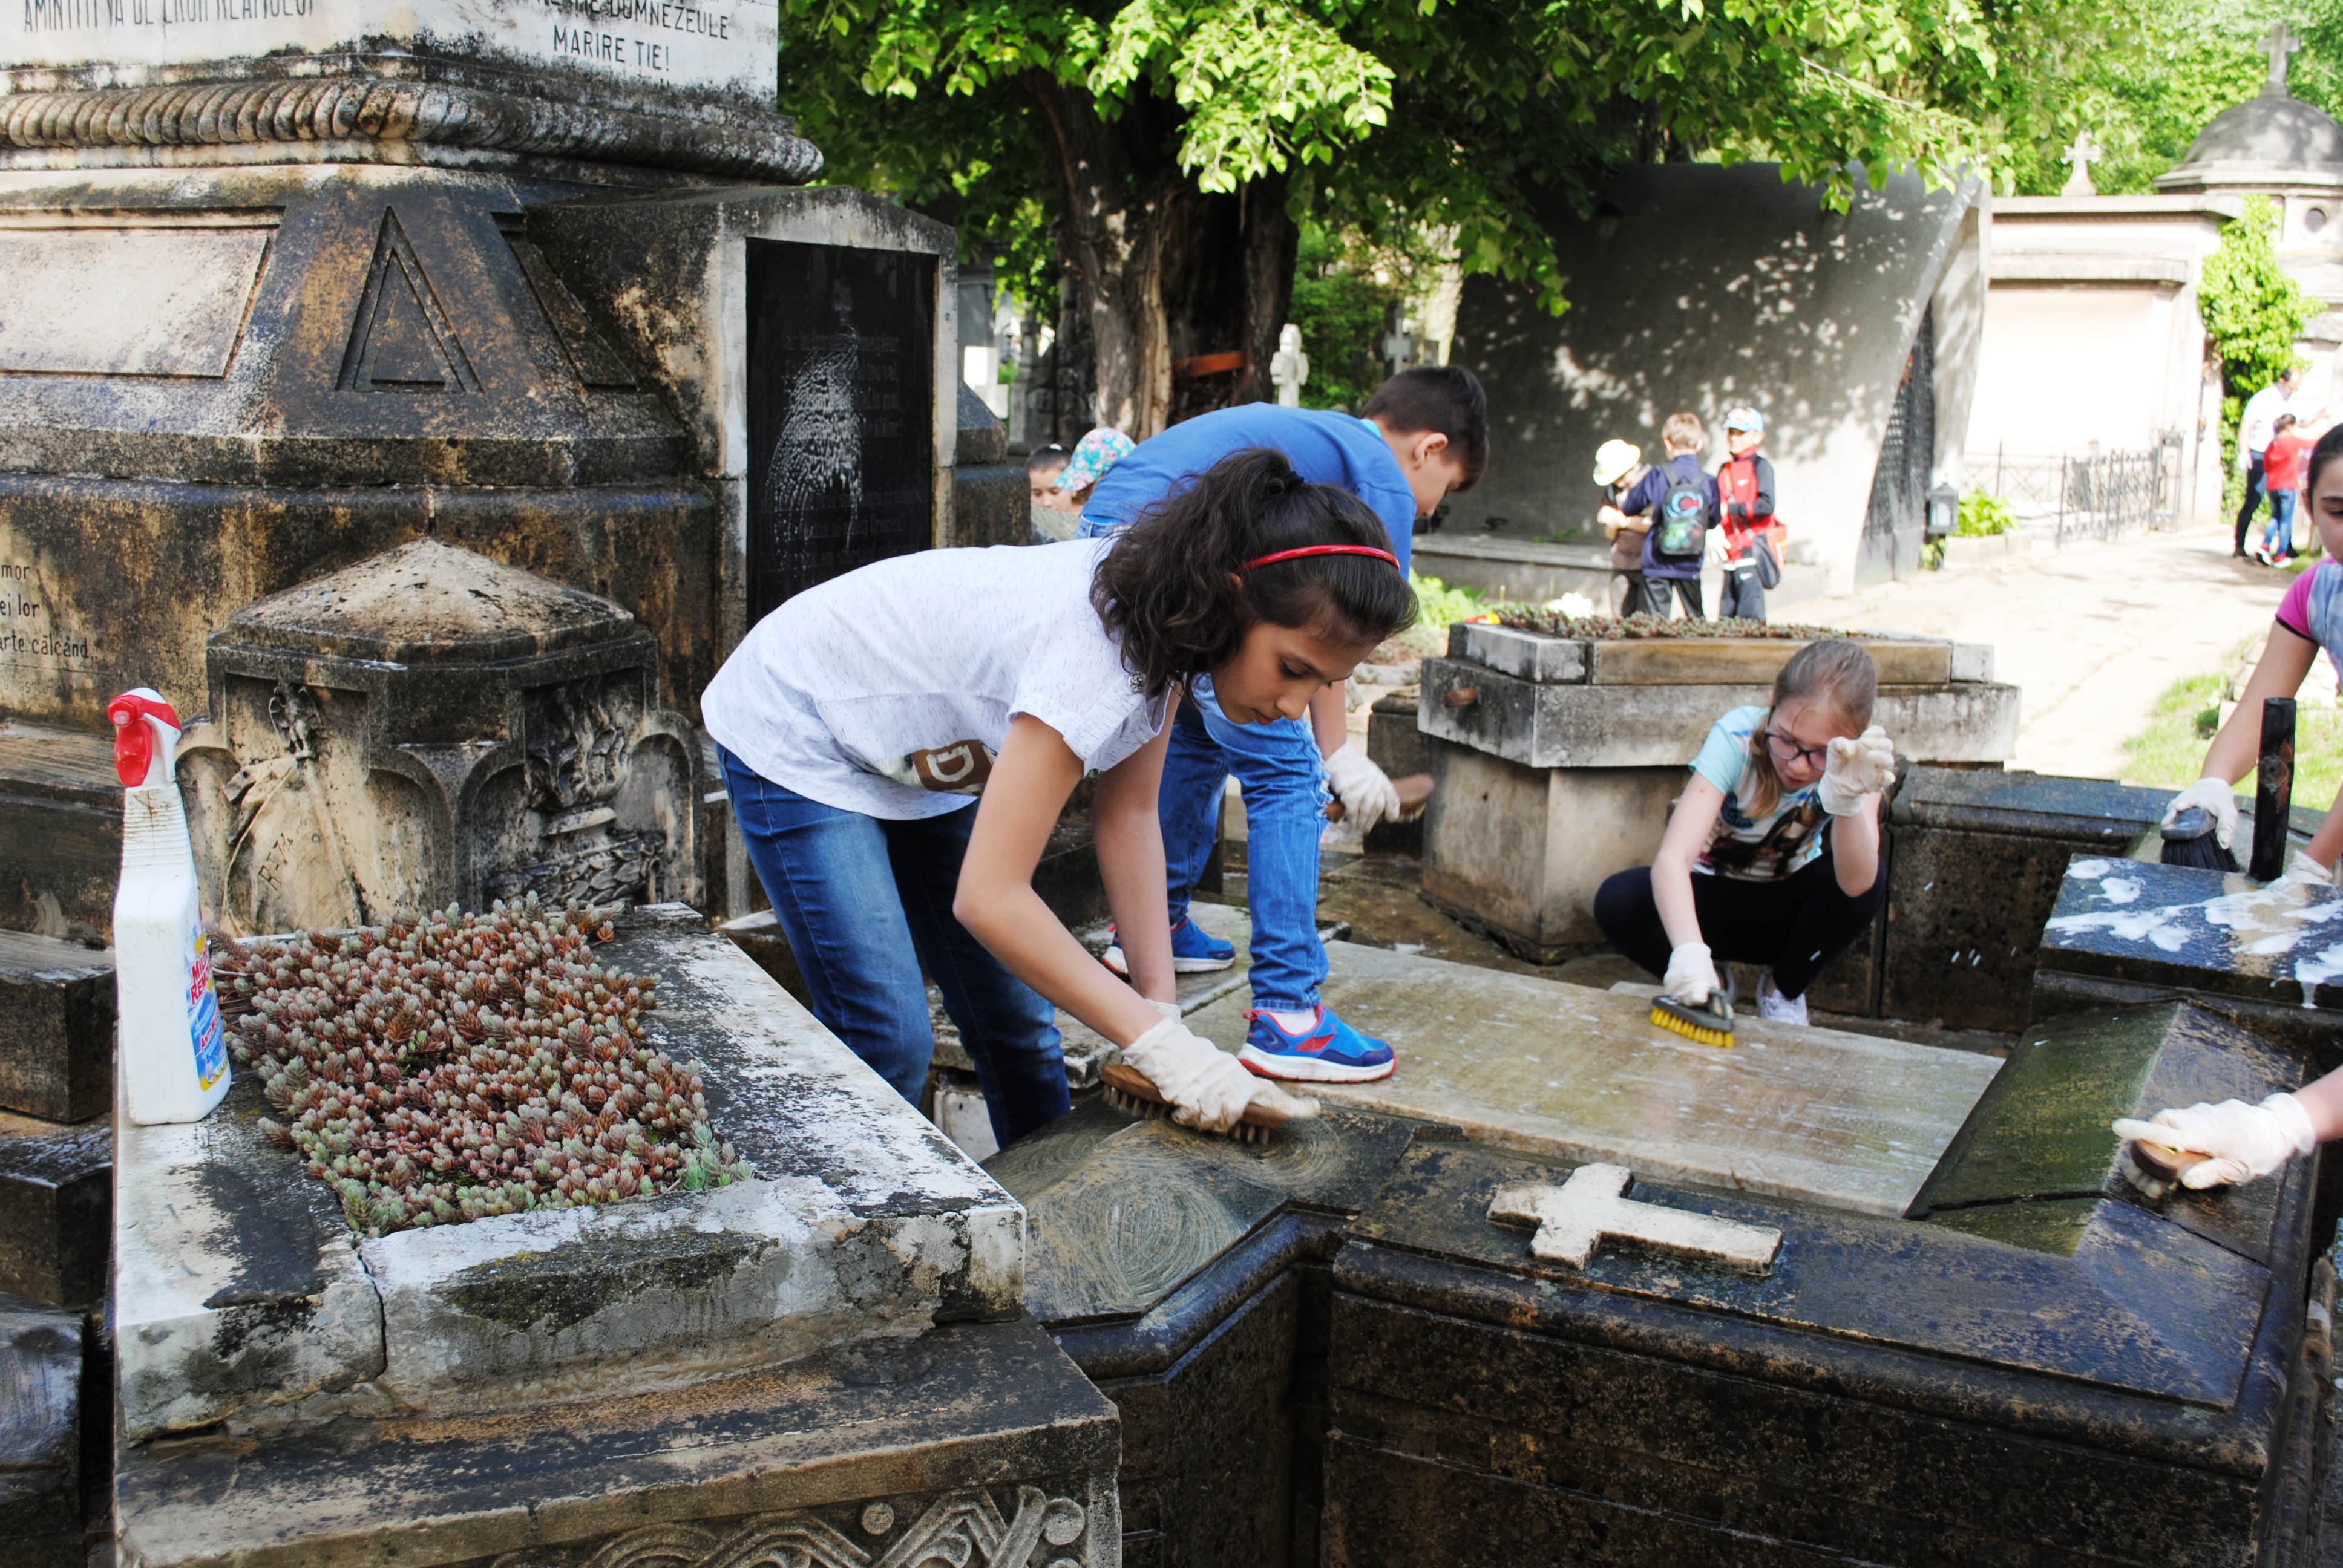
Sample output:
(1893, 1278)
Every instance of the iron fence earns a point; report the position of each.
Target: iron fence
(2093, 494)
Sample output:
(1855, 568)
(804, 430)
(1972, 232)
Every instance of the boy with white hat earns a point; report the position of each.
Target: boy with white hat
(1744, 488)
(1617, 466)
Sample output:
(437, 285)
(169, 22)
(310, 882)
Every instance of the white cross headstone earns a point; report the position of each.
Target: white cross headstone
(1573, 1219)
(2278, 46)
(2081, 155)
(1289, 368)
(1398, 348)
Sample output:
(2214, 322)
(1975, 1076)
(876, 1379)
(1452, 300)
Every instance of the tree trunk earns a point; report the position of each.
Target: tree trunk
(1184, 291)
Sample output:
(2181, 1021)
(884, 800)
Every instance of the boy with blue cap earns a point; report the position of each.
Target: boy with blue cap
(1744, 493)
(1425, 433)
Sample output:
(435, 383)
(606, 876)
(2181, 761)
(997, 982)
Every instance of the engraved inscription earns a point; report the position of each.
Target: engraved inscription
(966, 1529)
(29, 634)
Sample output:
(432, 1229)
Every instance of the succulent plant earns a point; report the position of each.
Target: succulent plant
(464, 1065)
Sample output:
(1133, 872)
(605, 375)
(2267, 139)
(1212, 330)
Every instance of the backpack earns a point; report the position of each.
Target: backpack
(1683, 525)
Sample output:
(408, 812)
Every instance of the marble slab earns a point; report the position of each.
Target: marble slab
(1845, 1120)
(2211, 931)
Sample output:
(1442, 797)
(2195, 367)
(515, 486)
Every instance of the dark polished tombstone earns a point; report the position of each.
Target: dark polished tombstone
(1186, 1275)
(841, 441)
(2128, 932)
(2040, 1369)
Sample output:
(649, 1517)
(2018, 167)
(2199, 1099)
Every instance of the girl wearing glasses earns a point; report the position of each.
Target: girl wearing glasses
(1772, 857)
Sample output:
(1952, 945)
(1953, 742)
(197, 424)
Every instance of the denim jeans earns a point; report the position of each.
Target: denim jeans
(1278, 767)
(2281, 523)
(864, 901)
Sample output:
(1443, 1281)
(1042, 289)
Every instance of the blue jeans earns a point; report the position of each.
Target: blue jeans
(2281, 523)
(1278, 768)
(864, 901)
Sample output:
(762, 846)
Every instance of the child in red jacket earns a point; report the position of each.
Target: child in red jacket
(1745, 493)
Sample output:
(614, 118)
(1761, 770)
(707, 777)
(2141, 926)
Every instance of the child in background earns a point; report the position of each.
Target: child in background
(1680, 499)
(1744, 493)
(2282, 475)
(1425, 433)
(1772, 857)
(1063, 480)
(1618, 465)
(855, 723)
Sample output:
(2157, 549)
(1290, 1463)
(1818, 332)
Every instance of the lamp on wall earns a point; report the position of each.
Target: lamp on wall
(1944, 511)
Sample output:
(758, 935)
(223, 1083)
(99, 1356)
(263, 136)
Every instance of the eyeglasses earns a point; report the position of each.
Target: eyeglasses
(1787, 751)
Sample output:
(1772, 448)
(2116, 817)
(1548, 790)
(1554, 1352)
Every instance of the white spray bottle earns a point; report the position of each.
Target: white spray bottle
(173, 1052)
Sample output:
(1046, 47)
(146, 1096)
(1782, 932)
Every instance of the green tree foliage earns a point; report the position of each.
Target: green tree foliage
(2252, 311)
(1150, 141)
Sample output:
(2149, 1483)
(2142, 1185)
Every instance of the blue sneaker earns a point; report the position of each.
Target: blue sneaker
(1328, 1051)
(1194, 952)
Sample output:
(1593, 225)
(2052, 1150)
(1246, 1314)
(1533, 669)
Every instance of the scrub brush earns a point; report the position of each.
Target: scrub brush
(1132, 1093)
(1711, 1022)
(2189, 841)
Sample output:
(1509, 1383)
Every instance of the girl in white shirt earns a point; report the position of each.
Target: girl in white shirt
(856, 721)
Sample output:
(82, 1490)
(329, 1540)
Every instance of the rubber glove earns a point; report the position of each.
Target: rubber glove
(1862, 766)
(2306, 872)
(1692, 975)
(1208, 1088)
(2211, 795)
(1365, 789)
(2242, 1142)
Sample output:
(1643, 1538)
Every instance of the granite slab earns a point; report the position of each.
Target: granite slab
(1850, 1120)
(238, 1287)
(56, 1027)
(55, 1185)
(40, 1436)
(977, 1443)
(2211, 931)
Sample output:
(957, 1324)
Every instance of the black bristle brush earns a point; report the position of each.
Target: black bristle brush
(2189, 840)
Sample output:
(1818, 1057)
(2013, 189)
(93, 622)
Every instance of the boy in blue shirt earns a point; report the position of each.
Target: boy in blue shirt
(1425, 433)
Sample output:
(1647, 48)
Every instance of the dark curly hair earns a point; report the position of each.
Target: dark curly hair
(1174, 592)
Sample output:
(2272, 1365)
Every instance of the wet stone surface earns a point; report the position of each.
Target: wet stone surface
(2203, 930)
(241, 1289)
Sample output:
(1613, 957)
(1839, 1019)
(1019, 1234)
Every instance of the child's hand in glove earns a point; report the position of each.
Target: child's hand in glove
(2241, 1142)
(1692, 975)
(2308, 873)
(1365, 789)
(1862, 766)
(2213, 796)
(1207, 1087)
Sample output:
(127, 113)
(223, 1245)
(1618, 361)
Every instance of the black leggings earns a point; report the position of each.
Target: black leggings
(1794, 926)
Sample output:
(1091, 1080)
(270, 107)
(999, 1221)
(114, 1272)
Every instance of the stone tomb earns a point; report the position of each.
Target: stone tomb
(2126, 931)
(826, 1359)
(1558, 756)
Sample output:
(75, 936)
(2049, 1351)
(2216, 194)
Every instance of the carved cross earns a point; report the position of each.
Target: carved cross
(1574, 1219)
(1289, 368)
(2081, 157)
(2278, 46)
(1398, 348)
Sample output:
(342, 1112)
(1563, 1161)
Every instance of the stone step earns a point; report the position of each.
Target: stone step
(56, 1027)
(55, 1208)
(60, 833)
(41, 1505)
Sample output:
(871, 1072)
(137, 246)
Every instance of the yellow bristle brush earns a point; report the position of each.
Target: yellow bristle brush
(1711, 1022)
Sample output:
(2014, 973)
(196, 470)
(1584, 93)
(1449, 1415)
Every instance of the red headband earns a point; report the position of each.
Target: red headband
(1322, 550)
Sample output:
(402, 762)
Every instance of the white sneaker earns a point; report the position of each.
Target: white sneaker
(1775, 1007)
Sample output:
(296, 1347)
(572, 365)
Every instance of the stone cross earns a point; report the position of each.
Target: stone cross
(2278, 46)
(1289, 368)
(2081, 155)
(1573, 1219)
(1399, 347)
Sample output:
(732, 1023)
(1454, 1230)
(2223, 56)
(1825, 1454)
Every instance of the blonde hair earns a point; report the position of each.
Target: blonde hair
(1684, 431)
(1833, 673)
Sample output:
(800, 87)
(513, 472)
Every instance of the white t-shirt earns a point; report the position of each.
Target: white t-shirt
(889, 691)
(2261, 410)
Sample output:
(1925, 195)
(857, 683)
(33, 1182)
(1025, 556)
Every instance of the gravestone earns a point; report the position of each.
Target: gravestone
(1557, 757)
(827, 1352)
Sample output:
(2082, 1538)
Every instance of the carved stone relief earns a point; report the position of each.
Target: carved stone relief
(963, 1529)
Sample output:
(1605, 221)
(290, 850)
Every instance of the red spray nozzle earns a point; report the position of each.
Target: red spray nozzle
(134, 739)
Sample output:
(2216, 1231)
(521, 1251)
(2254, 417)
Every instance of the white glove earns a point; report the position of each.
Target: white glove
(1365, 789)
(2242, 1142)
(1862, 766)
(2213, 795)
(1692, 975)
(2308, 873)
(1207, 1087)
(1170, 1010)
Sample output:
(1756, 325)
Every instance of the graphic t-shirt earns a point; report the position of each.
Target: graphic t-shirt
(1755, 849)
(1325, 448)
(889, 691)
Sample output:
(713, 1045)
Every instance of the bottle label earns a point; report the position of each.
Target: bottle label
(204, 1015)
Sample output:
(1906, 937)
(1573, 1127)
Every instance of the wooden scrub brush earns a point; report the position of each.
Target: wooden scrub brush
(1132, 1093)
